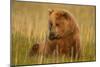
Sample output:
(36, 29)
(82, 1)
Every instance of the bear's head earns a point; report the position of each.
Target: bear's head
(61, 24)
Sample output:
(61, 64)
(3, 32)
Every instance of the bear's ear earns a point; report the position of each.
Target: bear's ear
(66, 14)
(50, 11)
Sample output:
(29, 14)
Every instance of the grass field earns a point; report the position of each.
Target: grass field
(29, 25)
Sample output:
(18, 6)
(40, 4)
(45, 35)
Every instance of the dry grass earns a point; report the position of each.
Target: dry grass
(29, 25)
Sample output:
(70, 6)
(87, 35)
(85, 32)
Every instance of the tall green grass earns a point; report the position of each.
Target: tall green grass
(29, 25)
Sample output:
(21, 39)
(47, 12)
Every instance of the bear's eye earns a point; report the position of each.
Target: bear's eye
(57, 25)
(50, 25)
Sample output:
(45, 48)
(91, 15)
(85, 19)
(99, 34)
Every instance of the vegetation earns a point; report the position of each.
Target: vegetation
(29, 25)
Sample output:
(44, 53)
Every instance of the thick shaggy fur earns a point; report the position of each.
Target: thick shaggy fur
(64, 36)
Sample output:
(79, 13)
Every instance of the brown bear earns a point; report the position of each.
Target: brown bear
(64, 36)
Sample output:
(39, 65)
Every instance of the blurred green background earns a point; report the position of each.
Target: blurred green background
(29, 25)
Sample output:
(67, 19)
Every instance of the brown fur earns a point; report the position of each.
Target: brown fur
(66, 36)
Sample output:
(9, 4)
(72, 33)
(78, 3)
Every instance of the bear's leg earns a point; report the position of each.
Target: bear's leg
(76, 50)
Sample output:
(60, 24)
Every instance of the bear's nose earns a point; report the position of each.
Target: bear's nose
(51, 36)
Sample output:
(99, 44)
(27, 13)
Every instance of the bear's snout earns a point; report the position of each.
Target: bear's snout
(52, 36)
